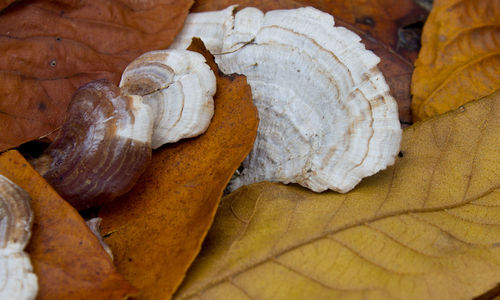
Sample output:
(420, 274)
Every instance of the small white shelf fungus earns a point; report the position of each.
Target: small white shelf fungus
(326, 116)
(17, 280)
(179, 86)
(94, 225)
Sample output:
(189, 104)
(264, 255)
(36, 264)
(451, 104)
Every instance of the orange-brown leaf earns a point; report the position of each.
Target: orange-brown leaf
(66, 256)
(50, 48)
(156, 230)
(379, 23)
(460, 56)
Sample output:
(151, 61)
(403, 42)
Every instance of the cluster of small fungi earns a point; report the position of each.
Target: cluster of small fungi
(326, 116)
(106, 141)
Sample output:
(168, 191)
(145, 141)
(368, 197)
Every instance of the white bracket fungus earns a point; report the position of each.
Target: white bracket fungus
(17, 280)
(326, 116)
(179, 86)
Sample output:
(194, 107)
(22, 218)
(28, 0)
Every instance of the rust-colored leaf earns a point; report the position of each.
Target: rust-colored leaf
(460, 57)
(155, 231)
(381, 25)
(66, 256)
(50, 48)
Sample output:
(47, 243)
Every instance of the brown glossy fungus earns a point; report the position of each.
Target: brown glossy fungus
(102, 148)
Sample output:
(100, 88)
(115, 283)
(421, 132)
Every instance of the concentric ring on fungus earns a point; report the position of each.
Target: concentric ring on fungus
(179, 86)
(326, 116)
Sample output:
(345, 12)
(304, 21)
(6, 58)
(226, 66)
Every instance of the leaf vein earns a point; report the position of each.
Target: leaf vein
(374, 228)
(479, 141)
(455, 72)
(320, 282)
(72, 40)
(389, 188)
(245, 227)
(54, 78)
(334, 215)
(245, 292)
(468, 220)
(358, 254)
(443, 230)
(90, 21)
(466, 31)
(289, 224)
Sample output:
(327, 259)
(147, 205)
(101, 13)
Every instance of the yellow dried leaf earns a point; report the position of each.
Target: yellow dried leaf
(427, 228)
(460, 56)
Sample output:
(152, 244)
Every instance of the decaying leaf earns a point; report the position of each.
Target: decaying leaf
(427, 228)
(460, 56)
(66, 256)
(155, 231)
(379, 23)
(50, 48)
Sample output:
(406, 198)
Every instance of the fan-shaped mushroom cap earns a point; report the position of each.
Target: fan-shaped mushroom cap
(211, 26)
(103, 146)
(17, 280)
(326, 116)
(179, 86)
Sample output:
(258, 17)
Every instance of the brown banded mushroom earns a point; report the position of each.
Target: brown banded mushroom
(101, 149)
(327, 118)
(17, 280)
